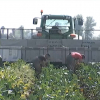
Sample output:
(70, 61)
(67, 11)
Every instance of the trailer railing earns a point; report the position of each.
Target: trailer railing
(17, 33)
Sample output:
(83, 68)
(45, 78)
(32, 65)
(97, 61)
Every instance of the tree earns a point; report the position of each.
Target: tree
(97, 37)
(78, 28)
(89, 27)
(21, 31)
(18, 32)
(27, 34)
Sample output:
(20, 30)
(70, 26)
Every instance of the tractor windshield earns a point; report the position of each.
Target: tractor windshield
(62, 24)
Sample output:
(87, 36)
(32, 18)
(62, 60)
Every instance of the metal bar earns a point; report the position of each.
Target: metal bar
(47, 49)
(65, 56)
(22, 34)
(39, 51)
(69, 50)
(0, 33)
(43, 51)
(78, 34)
(88, 54)
(50, 48)
(31, 32)
(7, 33)
(48, 29)
(25, 54)
(21, 53)
(84, 51)
(16, 29)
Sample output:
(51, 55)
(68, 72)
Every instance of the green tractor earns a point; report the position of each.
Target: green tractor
(56, 26)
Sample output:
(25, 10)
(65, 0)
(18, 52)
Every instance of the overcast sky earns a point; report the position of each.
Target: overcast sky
(14, 13)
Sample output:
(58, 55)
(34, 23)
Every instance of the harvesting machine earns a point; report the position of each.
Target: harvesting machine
(55, 35)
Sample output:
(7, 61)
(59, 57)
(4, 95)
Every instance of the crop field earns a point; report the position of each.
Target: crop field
(18, 82)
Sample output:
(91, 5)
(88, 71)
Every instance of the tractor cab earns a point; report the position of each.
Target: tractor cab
(56, 26)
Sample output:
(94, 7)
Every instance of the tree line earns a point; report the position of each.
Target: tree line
(87, 30)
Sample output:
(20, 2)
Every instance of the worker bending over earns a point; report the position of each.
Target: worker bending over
(73, 59)
(39, 62)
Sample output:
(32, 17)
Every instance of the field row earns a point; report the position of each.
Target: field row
(18, 82)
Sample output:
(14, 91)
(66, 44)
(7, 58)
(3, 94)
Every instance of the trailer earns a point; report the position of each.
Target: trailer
(56, 36)
(12, 50)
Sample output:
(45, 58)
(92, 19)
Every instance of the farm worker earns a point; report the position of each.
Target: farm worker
(55, 29)
(38, 63)
(73, 59)
(47, 56)
(57, 24)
